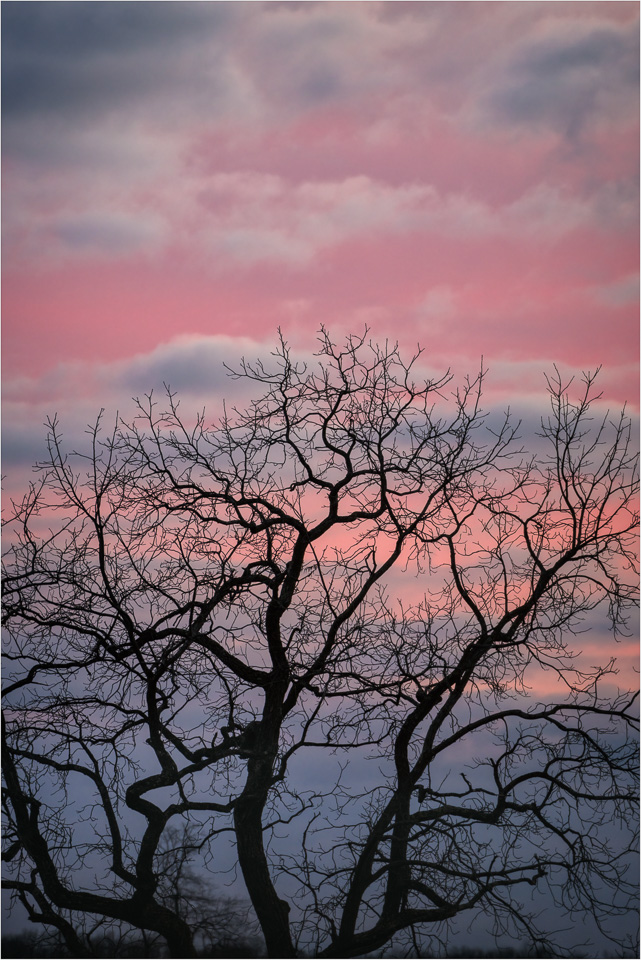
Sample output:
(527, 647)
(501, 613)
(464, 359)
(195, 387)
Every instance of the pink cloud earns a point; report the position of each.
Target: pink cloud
(462, 175)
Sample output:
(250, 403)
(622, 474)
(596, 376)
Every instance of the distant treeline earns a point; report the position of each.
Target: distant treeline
(25, 945)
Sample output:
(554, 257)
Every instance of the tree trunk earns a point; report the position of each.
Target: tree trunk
(181, 946)
(272, 912)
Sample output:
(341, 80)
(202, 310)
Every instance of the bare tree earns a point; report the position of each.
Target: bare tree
(198, 615)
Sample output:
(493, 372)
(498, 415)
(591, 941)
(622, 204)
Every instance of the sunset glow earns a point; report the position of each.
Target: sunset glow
(462, 175)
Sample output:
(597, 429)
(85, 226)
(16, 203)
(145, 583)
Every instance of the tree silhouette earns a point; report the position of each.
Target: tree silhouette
(361, 572)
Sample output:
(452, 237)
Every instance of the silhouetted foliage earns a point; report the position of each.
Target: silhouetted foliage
(206, 624)
(20, 945)
(24, 946)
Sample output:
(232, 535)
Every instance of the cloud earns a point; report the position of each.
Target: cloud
(574, 75)
(193, 367)
(249, 217)
(115, 89)
(23, 444)
(619, 292)
(263, 217)
(196, 167)
(70, 66)
(106, 107)
(109, 233)
(82, 59)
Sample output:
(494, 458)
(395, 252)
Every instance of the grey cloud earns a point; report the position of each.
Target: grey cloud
(22, 446)
(192, 367)
(71, 65)
(92, 28)
(320, 83)
(298, 57)
(67, 67)
(76, 58)
(565, 80)
(76, 63)
(24, 429)
(107, 234)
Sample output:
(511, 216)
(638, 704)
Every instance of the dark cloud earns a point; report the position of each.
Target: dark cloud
(192, 367)
(82, 60)
(569, 79)
(22, 446)
(80, 63)
(90, 29)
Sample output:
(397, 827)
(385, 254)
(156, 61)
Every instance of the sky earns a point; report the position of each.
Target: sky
(181, 179)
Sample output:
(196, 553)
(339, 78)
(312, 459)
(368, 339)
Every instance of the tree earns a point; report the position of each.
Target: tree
(193, 611)
(221, 926)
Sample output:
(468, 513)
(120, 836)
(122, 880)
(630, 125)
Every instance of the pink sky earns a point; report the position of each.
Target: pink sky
(182, 179)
